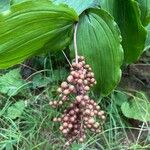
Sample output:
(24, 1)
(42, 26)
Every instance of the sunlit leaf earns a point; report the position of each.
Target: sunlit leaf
(29, 26)
(11, 83)
(98, 39)
(145, 11)
(4, 5)
(127, 15)
(147, 43)
(16, 110)
(78, 5)
(137, 108)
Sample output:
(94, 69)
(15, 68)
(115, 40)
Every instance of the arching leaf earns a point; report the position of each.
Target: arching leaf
(127, 15)
(145, 11)
(137, 108)
(29, 26)
(4, 5)
(147, 43)
(98, 39)
(78, 5)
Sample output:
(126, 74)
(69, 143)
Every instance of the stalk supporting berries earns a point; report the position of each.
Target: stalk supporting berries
(83, 112)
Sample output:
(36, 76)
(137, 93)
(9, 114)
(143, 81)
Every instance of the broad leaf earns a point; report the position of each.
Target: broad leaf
(137, 108)
(16, 110)
(98, 39)
(4, 5)
(127, 15)
(11, 83)
(78, 5)
(120, 98)
(32, 25)
(145, 11)
(147, 43)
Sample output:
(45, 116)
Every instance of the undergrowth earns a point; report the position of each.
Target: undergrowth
(33, 128)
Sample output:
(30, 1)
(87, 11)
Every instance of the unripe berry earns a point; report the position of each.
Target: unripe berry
(90, 107)
(92, 74)
(64, 131)
(54, 102)
(95, 112)
(83, 103)
(74, 64)
(72, 119)
(50, 103)
(66, 92)
(80, 81)
(70, 78)
(87, 88)
(76, 110)
(85, 118)
(76, 75)
(92, 80)
(59, 119)
(79, 65)
(86, 66)
(90, 69)
(64, 85)
(96, 125)
(59, 90)
(91, 121)
(72, 112)
(87, 111)
(55, 120)
(60, 103)
(61, 128)
(72, 73)
(71, 87)
(85, 82)
(81, 140)
(103, 117)
(82, 58)
(65, 124)
(70, 126)
(98, 131)
(92, 114)
(89, 126)
(98, 107)
(79, 98)
(64, 98)
(65, 118)
(81, 76)
(101, 113)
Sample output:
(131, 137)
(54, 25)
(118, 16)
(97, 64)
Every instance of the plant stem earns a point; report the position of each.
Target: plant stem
(75, 43)
(66, 58)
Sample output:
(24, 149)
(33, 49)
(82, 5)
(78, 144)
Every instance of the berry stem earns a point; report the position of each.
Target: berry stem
(66, 58)
(75, 42)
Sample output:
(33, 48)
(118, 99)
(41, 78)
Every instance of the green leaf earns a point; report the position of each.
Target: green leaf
(137, 108)
(40, 81)
(145, 11)
(4, 5)
(16, 110)
(76, 146)
(127, 15)
(32, 25)
(78, 5)
(120, 98)
(11, 83)
(98, 39)
(147, 43)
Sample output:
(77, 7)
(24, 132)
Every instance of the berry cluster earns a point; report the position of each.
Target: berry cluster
(83, 111)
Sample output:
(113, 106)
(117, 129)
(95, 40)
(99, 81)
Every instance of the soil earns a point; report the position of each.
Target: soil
(137, 76)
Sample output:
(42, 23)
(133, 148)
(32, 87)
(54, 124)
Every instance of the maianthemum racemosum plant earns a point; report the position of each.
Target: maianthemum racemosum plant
(107, 36)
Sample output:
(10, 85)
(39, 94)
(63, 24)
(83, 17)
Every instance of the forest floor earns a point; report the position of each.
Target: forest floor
(26, 117)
